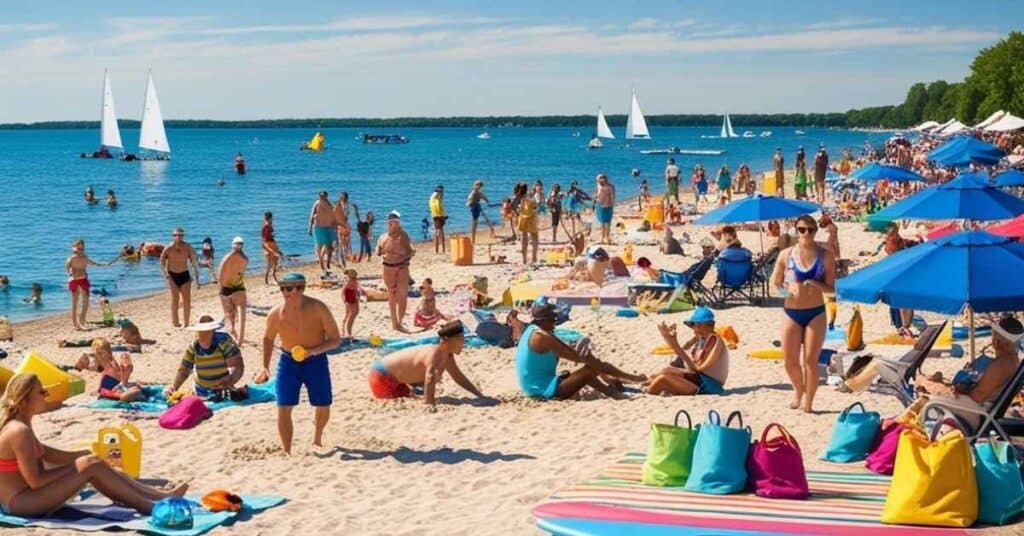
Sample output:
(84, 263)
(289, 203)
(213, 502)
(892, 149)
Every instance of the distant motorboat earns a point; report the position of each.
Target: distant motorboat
(766, 133)
(378, 139)
(678, 150)
(576, 134)
(595, 143)
(483, 136)
(749, 134)
(799, 132)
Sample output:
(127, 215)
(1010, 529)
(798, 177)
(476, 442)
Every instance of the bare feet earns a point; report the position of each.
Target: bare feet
(796, 402)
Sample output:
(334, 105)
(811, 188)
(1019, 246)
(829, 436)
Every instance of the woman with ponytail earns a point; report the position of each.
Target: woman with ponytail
(36, 479)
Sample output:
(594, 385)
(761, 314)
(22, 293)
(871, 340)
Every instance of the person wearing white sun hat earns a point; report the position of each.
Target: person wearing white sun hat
(213, 356)
(231, 276)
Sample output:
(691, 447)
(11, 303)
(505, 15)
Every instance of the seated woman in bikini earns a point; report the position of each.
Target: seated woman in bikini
(705, 373)
(36, 479)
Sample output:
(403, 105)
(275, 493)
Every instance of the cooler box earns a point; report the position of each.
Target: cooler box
(462, 251)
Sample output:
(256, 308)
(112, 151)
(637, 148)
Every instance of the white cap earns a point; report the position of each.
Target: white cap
(238, 240)
(394, 215)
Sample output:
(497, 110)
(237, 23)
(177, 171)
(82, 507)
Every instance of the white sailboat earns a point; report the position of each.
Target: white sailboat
(110, 134)
(602, 131)
(152, 136)
(483, 136)
(636, 126)
(727, 131)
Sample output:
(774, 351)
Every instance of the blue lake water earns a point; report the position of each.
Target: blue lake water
(43, 181)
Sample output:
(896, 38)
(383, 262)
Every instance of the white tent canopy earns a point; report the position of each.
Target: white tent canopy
(926, 126)
(951, 128)
(1006, 123)
(991, 119)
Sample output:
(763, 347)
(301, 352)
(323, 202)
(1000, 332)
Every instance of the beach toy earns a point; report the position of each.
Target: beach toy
(462, 251)
(59, 384)
(121, 448)
(766, 353)
(627, 254)
(595, 305)
(663, 349)
(298, 354)
(172, 513)
(625, 312)
(375, 340)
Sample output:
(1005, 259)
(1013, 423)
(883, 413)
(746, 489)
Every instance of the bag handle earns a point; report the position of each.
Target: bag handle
(734, 415)
(689, 423)
(854, 405)
(782, 433)
(714, 418)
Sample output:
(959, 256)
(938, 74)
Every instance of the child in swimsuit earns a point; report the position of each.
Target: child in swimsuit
(114, 375)
(427, 314)
(350, 296)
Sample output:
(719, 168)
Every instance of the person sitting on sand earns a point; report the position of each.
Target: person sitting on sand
(669, 245)
(36, 479)
(701, 365)
(350, 297)
(213, 356)
(644, 264)
(539, 352)
(427, 314)
(392, 375)
(131, 336)
(114, 375)
(36, 297)
(597, 265)
(674, 215)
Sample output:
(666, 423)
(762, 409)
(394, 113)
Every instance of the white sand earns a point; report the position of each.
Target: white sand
(393, 468)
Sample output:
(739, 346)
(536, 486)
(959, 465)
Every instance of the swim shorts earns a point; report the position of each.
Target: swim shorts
(323, 236)
(312, 372)
(180, 278)
(709, 386)
(673, 187)
(79, 284)
(384, 386)
(475, 210)
(604, 215)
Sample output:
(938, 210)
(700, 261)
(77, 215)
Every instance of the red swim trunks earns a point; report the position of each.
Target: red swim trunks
(384, 386)
(79, 284)
(421, 321)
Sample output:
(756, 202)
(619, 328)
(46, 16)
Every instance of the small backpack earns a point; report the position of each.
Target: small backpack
(185, 414)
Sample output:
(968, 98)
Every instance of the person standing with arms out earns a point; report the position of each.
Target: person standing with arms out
(78, 281)
(344, 229)
(176, 260)
(308, 331)
(779, 164)
(321, 228)
(395, 250)
(231, 276)
(820, 169)
(577, 200)
(802, 275)
(440, 217)
(605, 209)
(672, 180)
(271, 251)
(475, 202)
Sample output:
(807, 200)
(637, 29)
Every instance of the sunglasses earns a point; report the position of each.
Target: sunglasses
(292, 288)
(805, 230)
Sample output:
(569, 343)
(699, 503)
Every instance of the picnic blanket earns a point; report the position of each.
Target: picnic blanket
(616, 502)
(96, 513)
(155, 402)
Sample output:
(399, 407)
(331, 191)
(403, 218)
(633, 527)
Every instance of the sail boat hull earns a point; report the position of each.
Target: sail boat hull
(636, 125)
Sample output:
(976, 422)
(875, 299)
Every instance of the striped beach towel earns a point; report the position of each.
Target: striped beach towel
(841, 503)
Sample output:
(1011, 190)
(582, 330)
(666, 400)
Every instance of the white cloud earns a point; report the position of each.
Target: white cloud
(849, 22)
(29, 27)
(650, 23)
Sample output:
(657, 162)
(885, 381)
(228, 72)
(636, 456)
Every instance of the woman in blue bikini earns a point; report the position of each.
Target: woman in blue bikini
(803, 273)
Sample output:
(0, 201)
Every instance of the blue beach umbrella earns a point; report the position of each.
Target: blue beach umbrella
(969, 196)
(1010, 178)
(969, 269)
(965, 150)
(876, 172)
(757, 208)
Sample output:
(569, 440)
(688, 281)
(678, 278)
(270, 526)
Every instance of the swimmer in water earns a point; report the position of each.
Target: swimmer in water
(37, 295)
(111, 199)
(90, 195)
(221, 182)
(4, 282)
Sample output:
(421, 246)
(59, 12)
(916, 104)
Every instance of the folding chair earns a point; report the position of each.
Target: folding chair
(896, 376)
(992, 419)
(735, 277)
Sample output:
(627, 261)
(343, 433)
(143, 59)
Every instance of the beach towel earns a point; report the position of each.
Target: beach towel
(616, 502)
(568, 336)
(154, 401)
(96, 513)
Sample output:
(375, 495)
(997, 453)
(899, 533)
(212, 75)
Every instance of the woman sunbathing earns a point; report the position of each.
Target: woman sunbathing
(705, 372)
(36, 479)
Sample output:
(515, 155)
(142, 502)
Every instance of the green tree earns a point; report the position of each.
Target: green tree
(914, 104)
(936, 91)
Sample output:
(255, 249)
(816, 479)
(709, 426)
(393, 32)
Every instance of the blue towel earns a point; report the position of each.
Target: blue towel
(568, 336)
(203, 520)
(155, 403)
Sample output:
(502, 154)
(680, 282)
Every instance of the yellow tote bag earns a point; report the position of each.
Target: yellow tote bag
(933, 482)
(855, 331)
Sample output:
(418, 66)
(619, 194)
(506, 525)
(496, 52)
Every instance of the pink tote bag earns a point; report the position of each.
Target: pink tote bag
(187, 413)
(882, 459)
(776, 466)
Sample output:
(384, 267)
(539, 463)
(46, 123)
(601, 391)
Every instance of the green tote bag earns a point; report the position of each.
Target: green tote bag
(670, 453)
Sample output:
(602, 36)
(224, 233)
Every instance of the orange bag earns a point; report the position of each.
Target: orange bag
(220, 500)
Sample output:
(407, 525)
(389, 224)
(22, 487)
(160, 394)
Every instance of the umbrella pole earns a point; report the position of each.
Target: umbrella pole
(970, 320)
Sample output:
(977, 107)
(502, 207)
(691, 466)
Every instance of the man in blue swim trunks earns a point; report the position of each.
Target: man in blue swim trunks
(605, 207)
(322, 229)
(539, 352)
(307, 330)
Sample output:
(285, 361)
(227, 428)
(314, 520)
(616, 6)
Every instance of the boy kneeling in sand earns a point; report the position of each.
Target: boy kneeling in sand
(392, 375)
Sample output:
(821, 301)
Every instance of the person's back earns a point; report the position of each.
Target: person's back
(536, 370)
(409, 365)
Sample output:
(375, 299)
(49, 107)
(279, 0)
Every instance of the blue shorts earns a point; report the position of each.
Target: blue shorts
(292, 375)
(709, 386)
(475, 210)
(323, 236)
(604, 215)
(364, 246)
(701, 187)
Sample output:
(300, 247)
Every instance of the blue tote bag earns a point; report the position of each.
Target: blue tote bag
(1000, 487)
(853, 435)
(720, 456)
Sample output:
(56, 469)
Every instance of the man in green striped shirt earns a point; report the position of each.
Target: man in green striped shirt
(213, 356)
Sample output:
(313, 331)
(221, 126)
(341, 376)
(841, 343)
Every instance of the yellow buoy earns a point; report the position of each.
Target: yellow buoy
(299, 353)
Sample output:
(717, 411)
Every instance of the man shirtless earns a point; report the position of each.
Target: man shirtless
(391, 376)
(344, 229)
(78, 281)
(321, 228)
(605, 207)
(779, 165)
(307, 330)
(231, 276)
(176, 260)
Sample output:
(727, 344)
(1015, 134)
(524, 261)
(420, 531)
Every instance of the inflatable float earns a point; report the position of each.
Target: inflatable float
(59, 384)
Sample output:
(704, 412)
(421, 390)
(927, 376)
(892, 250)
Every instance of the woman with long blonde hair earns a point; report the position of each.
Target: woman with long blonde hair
(36, 479)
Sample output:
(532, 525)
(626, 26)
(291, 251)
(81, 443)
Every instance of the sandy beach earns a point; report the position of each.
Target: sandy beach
(394, 468)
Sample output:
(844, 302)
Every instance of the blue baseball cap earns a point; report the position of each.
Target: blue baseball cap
(292, 279)
(700, 315)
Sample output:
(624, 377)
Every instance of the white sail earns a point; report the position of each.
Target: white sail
(152, 135)
(727, 131)
(602, 126)
(110, 135)
(636, 126)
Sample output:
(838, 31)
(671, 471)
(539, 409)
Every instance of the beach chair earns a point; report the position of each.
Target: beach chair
(991, 419)
(735, 277)
(763, 267)
(692, 279)
(896, 376)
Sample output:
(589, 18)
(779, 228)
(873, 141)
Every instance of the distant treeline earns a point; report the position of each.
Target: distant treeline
(996, 82)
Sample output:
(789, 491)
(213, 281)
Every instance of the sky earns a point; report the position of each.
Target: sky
(217, 59)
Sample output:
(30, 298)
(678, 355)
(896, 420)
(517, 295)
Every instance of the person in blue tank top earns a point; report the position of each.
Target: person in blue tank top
(538, 354)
